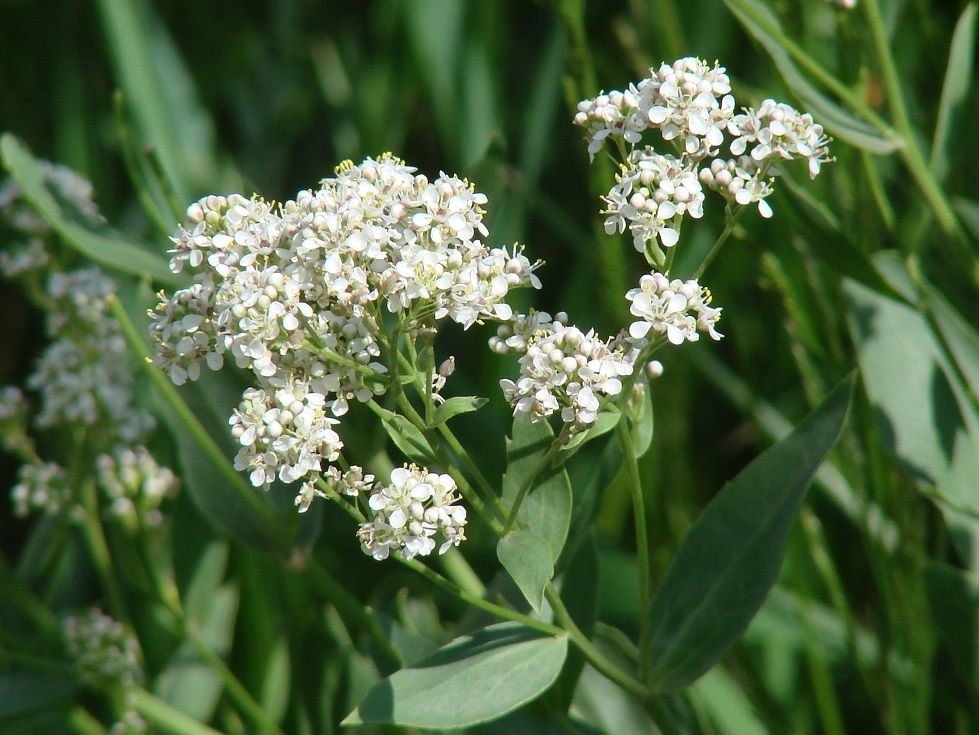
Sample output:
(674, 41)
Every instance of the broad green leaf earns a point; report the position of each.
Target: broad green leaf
(761, 23)
(953, 596)
(731, 556)
(958, 79)
(411, 645)
(546, 509)
(476, 678)
(527, 557)
(189, 683)
(22, 692)
(927, 416)
(91, 238)
(455, 406)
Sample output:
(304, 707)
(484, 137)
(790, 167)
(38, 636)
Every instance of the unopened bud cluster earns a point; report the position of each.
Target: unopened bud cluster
(102, 650)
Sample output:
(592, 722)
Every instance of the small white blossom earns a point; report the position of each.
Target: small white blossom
(410, 511)
(41, 488)
(131, 478)
(283, 433)
(675, 308)
(566, 370)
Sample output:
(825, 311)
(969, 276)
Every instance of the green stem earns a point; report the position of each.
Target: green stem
(246, 494)
(135, 173)
(332, 494)
(99, 549)
(166, 717)
(458, 570)
(915, 161)
(499, 611)
(642, 544)
(456, 446)
(80, 721)
(732, 217)
(601, 664)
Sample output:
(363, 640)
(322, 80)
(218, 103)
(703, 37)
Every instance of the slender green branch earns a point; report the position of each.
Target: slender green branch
(166, 717)
(642, 543)
(332, 494)
(499, 611)
(732, 217)
(914, 158)
(247, 494)
(98, 547)
(605, 667)
(135, 173)
(463, 456)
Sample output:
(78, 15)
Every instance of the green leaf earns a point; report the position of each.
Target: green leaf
(731, 556)
(927, 417)
(473, 679)
(642, 420)
(953, 596)
(21, 692)
(527, 557)
(91, 238)
(761, 23)
(406, 436)
(455, 406)
(546, 510)
(188, 682)
(958, 79)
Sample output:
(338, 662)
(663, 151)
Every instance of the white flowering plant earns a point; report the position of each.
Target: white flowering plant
(349, 460)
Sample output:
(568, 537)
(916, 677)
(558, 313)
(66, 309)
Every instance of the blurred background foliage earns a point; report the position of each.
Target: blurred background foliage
(270, 96)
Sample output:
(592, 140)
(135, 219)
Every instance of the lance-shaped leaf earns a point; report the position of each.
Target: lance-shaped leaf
(90, 237)
(476, 678)
(731, 556)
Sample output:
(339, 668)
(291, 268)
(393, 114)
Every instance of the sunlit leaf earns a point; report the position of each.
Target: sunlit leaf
(507, 664)
(731, 556)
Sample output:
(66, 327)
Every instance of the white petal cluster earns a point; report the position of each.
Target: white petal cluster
(102, 650)
(298, 293)
(678, 309)
(410, 511)
(131, 479)
(284, 433)
(567, 371)
(778, 132)
(80, 375)
(690, 105)
(41, 487)
(650, 196)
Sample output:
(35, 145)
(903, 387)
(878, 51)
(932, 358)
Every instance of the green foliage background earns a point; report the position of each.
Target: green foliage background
(269, 97)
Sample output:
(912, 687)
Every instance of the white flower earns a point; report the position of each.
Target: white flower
(675, 308)
(564, 369)
(410, 511)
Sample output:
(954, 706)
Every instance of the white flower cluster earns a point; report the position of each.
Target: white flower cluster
(678, 309)
(408, 512)
(43, 488)
(298, 293)
(102, 650)
(28, 252)
(650, 195)
(80, 375)
(690, 104)
(131, 477)
(284, 432)
(563, 370)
